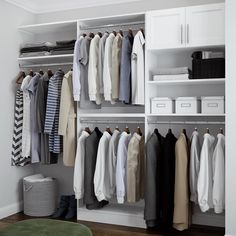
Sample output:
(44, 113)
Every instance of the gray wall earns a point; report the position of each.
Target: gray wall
(10, 177)
(119, 9)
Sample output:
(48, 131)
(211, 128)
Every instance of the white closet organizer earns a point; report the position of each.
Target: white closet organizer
(172, 36)
(165, 47)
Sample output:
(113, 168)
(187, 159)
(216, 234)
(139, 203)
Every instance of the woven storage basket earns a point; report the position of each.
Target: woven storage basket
(40, 197)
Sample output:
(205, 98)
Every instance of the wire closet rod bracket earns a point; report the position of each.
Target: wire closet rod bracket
(45, 65)
(112, 25)
(187, 122)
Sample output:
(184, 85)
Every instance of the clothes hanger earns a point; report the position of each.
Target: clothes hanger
(121, 32)
(156, 131)
(221, 131)
(100, 34)
(87, 130)
(50, 74)
(108, 130)
(41, 72)
(127, 130)
(142, 30)
(207, 130)
(91, 35)
(117, 128)
(31, 73)
(195, 129)
(84, 35)
(169, 131)
(139, 131)
(20, 77)
(130, 32)
(114, 32)
(184, 132)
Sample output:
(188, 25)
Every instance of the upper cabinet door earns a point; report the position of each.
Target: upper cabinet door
(205, 25)
(165, 28)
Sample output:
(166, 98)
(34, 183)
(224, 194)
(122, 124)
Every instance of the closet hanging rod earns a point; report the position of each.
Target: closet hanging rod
(44, 65)
(112, 25)
(85, 121)
(188, 122)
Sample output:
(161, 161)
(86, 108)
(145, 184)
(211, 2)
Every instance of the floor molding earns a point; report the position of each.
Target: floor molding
(11, 209)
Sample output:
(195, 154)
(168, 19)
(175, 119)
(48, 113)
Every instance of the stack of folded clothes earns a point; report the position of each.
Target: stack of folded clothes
(176, 73)
(47, 48)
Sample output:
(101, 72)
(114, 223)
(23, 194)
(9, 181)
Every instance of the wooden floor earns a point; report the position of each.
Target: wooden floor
(113, 230)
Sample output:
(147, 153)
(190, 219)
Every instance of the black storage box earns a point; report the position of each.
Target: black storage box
(208, 68)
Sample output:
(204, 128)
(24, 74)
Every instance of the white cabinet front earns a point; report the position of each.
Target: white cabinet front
(205, 25)
(165, 28)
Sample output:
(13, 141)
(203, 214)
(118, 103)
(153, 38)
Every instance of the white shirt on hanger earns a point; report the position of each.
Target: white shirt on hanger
(112, 159)
(93, 77)
(121, 166)
(205, 177)
(76, 70)
(79, 166)
(194, 165)
(101, 175)
(26, 132)
(219, 175)
(107, 68)
(137, 69)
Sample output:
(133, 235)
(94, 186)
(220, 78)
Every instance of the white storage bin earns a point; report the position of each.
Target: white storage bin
(187, 105)
(162, 105)
(213, 105)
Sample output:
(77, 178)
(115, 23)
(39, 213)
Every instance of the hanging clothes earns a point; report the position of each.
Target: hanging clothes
(35, 137)
(16, 158)
(76, 70)
(79, 166)
(84, 60)
(91, 147)
(115, 66)
(195, 150)
(101, 175)
(205, 177)
(135, 161)
(41, 103)
(112, 159)
(52, 112)
(154, 152)
(121, 166)
(93, 77)
(137, 69)
(125, 69)
(107, 68)
(101, 52)
(218, 192)
(181, 215)
(26, 134)
(168, 180)
(67, 120)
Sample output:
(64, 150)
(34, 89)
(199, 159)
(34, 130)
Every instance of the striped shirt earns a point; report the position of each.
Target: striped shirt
(52, 112)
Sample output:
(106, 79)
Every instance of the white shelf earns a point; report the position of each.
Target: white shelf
(47, 59)
(188, 115)
(114, 214)
(111, 115)
(189, 82)
(49, 27)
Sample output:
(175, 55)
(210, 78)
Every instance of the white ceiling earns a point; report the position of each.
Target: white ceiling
(42, 6)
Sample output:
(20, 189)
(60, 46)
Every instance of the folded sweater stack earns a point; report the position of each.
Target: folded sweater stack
(176, 73)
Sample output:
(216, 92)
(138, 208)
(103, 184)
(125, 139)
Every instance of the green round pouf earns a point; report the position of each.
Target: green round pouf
(45, 227)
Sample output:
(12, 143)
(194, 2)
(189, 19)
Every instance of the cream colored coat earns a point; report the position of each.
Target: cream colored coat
(181, 195)
(67, 120)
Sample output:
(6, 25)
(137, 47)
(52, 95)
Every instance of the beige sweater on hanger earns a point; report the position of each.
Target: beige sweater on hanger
(67, 120)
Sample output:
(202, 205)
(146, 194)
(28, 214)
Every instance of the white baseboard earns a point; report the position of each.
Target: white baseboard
(11, 209)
